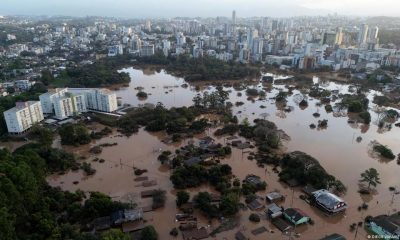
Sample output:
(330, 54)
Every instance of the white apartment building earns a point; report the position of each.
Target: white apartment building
(74, 101)
(69, 105)
(63, 107)
(47, 99)
(97, 99)
(21, 117)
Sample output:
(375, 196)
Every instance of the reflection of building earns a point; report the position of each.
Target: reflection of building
(21, 117)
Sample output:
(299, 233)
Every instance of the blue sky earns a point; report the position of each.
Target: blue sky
(202, 8)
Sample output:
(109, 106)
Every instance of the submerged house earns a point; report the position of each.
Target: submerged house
(296, 216)
(334, 236)
(195, 234)
(274, 197)
(386, 226)
(273, 211)
(281, 224)
(328, 202)
(127, 215)
(193, 161)
(206, 142)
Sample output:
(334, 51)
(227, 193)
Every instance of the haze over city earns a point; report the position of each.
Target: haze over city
(199, 119)
(201, 8)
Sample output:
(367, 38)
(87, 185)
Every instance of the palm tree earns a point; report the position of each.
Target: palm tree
(371, 176)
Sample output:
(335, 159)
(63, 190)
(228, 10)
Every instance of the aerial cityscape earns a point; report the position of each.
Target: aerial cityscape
(230, 120)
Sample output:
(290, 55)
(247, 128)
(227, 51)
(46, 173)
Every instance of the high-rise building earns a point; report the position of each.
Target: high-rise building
(69, 105)
(63, 107)
(147, 50)
(180, 39)
(21, 117)
(115, 50)
(251, 34)
(74, 101)
(362, 34)
(97, 99)
(136, 43)
(373, 34)
(339, 36)
(274, 26)
(148, 25)
(329, 38)
(47, 99)
(233, 17)
(257, 48)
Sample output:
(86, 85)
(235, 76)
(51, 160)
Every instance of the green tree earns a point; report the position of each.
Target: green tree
(47, 77)
(74, 134)
(370, 176)
(202, 201)
(197, 100)
(229, 205)
(43, 135)
(7, 223)
(182, 197)
(114, 234)
(149, 233)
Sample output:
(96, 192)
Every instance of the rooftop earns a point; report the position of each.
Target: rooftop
(334, 236)
(295, 214)
(328, 199)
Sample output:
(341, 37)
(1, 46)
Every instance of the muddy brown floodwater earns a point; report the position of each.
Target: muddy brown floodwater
(336, 149)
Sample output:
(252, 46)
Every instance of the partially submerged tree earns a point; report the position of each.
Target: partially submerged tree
(370, 176)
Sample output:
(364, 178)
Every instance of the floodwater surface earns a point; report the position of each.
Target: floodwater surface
(335, 147)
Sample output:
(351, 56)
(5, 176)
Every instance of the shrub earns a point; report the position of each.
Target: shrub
(384, 151)
(182, 197)
(328, 108)
(149, 233)
(141, 94)
(254, 217)
(365, 116)
(159, 198)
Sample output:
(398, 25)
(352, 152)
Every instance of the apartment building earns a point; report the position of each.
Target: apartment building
(74, 101)
(47, 99)
(21, 117)
(102, 100)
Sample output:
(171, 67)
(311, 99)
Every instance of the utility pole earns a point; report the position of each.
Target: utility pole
(394, 193)
(291, 203)
(362, 220)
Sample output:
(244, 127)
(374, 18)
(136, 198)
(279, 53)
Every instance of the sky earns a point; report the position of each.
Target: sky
(199, 8)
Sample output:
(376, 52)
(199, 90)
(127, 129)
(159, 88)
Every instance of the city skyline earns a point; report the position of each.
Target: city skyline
(201, 8)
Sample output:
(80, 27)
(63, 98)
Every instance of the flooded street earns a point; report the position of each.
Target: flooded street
(335, 147)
